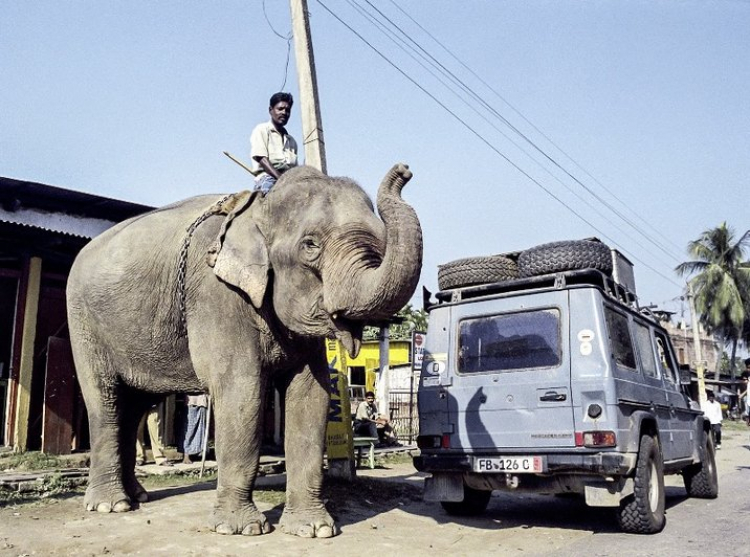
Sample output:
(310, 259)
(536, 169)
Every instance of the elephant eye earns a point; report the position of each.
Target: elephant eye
(310, 249)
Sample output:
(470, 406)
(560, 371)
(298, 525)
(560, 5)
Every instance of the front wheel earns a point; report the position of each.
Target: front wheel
(643, 511)
(701, 479)
(475, 502)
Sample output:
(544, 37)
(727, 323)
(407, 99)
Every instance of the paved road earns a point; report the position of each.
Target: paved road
(517, 525)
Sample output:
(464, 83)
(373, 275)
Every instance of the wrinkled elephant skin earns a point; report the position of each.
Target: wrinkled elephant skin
(231, 295)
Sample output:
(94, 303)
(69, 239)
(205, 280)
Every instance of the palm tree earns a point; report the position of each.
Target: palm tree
(721, 280)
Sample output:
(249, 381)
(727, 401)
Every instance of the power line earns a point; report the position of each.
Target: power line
(288, 39)
(480, 136)
(540, 132)
(397, 38)
(481, 100)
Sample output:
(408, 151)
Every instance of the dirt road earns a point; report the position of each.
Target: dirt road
(173, 523)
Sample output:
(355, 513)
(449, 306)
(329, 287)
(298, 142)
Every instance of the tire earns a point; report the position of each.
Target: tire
(565, 256)
(701, 479)
(475, 503)
(476, 270)
(643, 511)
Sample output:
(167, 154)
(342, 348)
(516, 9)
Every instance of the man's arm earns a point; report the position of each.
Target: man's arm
(259, 150)
(266, 165)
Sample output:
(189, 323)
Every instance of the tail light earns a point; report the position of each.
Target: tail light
(434, 441)
(596, 439)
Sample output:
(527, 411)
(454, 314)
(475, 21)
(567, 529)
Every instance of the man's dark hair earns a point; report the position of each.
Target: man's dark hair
(369, 393)
(276, 98)
(747, 362)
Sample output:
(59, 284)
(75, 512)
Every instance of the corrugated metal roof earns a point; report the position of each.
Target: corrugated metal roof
(73, 225)
(16, 194)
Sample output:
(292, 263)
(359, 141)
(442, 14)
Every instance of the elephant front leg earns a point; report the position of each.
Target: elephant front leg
(307, 399)
(239, 414)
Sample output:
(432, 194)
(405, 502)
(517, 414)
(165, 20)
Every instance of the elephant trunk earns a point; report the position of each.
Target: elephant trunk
(382, 291)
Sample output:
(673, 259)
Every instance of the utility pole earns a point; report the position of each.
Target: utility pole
(699, 368)
(339, 434)
(312, 125)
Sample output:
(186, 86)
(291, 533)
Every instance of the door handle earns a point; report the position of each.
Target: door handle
(553, 396)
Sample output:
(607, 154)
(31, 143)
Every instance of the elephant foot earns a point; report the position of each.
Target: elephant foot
(107, 501)
(308, 524)
(247, 521)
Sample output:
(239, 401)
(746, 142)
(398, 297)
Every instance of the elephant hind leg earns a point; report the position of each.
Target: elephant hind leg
(101, 392)
(135, 405)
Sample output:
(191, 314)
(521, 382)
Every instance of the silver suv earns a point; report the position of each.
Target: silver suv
(542, 374)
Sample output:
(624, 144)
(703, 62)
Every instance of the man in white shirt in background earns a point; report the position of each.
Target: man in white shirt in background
(712, 411)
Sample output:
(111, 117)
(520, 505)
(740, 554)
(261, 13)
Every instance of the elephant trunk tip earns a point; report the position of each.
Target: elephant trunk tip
(397, 178)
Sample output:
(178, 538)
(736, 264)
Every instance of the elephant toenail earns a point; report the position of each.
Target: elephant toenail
(224, 529)
(252, 530)
(121, 506)
(324, 532)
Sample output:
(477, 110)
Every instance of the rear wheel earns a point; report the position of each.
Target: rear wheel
(701, 479)
(643, 511)
(475, 502)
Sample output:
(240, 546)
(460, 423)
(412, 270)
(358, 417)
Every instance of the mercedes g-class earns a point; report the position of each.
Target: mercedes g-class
(541, 373)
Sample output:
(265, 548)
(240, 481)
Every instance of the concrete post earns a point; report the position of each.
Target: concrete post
(700, 370)
(312, 125)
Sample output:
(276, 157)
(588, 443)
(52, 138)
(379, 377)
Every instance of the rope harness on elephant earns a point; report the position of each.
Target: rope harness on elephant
(218, 208)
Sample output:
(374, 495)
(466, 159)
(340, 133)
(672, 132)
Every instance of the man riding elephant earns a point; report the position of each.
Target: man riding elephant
(223, 294)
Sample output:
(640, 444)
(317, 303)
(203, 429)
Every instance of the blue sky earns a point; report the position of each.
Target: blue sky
(645, 102)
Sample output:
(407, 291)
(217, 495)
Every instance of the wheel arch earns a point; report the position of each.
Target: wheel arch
(644, 423)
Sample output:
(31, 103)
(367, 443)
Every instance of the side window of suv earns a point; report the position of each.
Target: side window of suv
(646, 350)
(619, 338)
(666, 359)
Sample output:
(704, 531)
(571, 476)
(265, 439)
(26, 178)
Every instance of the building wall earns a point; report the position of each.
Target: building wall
(399, 353)
(682, 340)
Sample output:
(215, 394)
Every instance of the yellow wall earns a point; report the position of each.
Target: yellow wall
(369, 356)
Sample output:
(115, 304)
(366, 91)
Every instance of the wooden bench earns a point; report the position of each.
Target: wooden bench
(361, 443)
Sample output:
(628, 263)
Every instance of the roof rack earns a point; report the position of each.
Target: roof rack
(555, 281)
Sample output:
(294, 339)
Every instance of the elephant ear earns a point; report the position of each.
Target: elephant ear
(239, 256)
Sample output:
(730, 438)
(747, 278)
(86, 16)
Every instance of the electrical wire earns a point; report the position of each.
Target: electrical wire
(482, 101)
(481, 137)
(534, 127)
(288, 38)
(401, 42)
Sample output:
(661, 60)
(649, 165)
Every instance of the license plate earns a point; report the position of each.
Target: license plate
(510, 465)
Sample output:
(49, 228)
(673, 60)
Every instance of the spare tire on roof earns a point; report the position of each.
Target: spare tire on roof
(565, 256)
(476, 270)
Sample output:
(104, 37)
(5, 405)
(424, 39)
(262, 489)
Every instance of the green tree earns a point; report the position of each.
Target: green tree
(720, 277)
(413, 320)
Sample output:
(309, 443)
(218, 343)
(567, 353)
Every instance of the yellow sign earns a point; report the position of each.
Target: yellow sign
(339, 429)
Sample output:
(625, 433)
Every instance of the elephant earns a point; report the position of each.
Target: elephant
(229, 294)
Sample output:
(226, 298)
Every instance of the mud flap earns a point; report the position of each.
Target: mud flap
(444, 487)
(608, 494)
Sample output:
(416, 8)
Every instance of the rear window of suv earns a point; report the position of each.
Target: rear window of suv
(511, 341)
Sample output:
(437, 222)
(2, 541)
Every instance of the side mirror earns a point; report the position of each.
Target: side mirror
(426, 299)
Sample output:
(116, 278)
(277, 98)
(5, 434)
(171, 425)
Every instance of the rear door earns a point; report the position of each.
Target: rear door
(509, 374)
